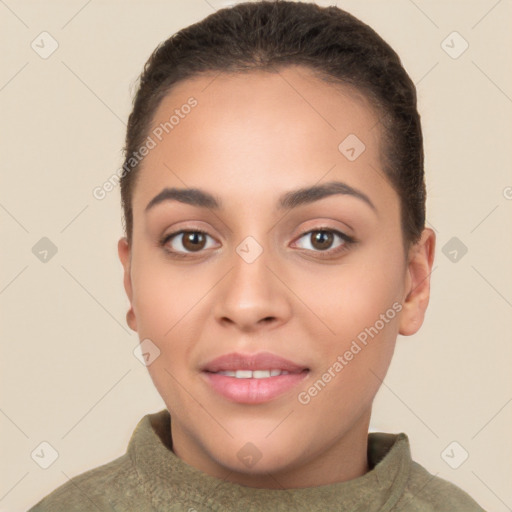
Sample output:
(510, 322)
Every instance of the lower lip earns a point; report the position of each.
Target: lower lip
(253, 391)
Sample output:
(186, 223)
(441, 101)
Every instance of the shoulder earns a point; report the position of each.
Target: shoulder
(426, 492)
(112, 486)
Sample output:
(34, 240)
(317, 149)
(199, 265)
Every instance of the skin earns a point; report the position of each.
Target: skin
(250, 139)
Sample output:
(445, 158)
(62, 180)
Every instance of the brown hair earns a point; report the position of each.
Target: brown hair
(270, 35)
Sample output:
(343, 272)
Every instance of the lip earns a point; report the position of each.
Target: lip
(259, 361)
(251, 390)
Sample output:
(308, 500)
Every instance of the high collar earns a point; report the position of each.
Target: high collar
(169, 480)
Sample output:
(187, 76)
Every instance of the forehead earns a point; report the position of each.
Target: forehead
(261, 104)
(261, 132)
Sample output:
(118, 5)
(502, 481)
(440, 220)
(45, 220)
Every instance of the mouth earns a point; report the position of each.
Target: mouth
(252, 374)
(253, 378)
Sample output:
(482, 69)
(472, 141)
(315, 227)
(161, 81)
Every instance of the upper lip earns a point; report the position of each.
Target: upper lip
(260, 361)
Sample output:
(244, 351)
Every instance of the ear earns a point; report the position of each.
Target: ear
(417, 290)
(124, 251)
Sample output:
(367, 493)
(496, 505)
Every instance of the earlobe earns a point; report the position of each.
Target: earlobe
(124, 252)
(417, 291)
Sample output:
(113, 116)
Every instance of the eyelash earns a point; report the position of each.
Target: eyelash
(348, 241)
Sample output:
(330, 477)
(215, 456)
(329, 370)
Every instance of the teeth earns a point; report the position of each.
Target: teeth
(256, 374)
(261, 374)
(228, 373)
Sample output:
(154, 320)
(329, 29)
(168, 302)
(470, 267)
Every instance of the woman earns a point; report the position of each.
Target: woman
(274, 206)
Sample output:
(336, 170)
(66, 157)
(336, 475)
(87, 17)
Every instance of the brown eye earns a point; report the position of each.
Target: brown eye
(187, 242)
(194, 240)
(322, 239)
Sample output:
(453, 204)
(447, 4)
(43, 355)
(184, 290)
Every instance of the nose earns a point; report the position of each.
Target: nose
(251, 297)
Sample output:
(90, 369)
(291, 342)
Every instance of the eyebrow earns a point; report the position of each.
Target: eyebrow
(289, 200)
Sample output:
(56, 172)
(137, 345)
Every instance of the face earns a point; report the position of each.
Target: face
(275, 290)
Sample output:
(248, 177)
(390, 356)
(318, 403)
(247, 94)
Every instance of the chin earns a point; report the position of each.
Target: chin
(257, 455)
(261, 465)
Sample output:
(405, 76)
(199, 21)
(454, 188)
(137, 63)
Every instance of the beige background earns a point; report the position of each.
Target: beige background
(68, 373)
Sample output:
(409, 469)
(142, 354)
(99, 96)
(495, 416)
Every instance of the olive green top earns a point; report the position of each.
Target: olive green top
(150, 477)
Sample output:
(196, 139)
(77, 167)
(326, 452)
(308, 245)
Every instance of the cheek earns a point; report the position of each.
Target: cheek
(163, 295)
(361, 309)
(360, 304)
(354, 297)
(164, 303)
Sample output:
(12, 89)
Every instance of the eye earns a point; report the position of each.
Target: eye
(186, 241)
(322, 240)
